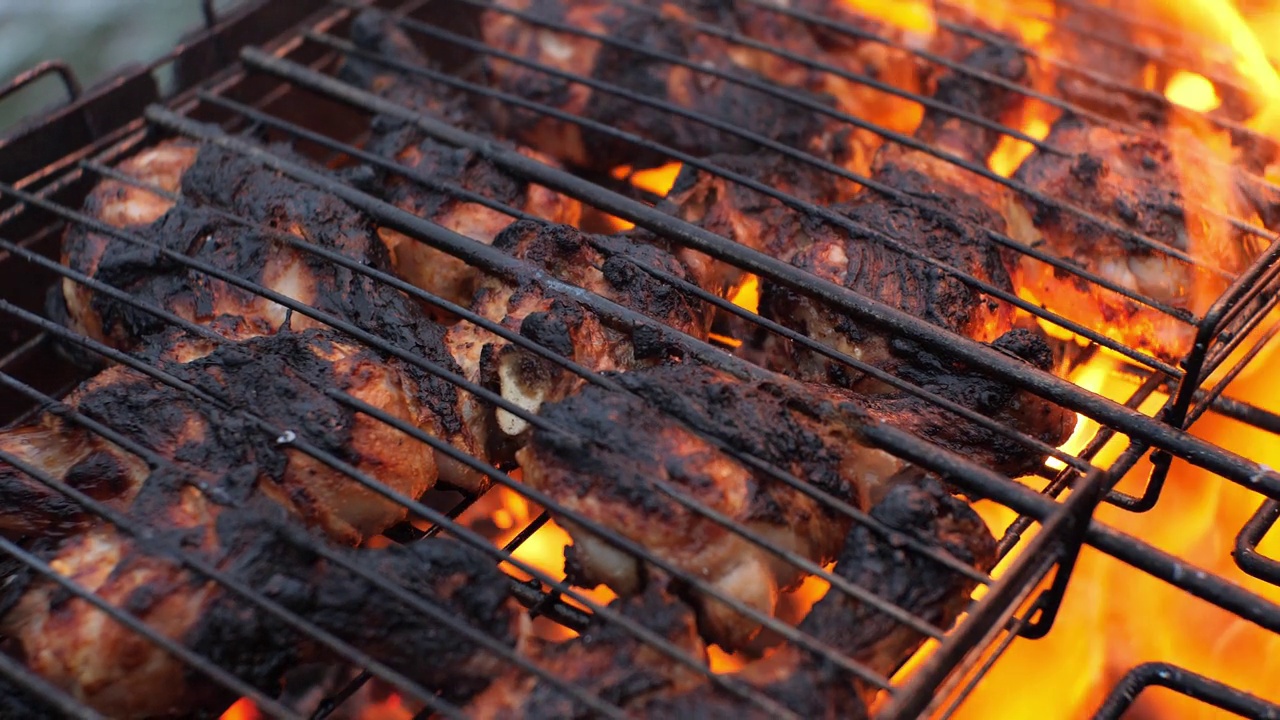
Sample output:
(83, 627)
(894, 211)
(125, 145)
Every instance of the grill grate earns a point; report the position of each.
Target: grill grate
(297, 70)
(1186, 683)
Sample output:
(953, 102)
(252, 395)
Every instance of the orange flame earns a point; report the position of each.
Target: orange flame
(910, 15)
(655, 180)
(243, 709)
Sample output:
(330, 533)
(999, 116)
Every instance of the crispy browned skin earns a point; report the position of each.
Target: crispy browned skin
(220, 179)
(267, 202)
(615, 455)
(1165, 184)
(124, 675)
(926, 589)
(627, 672)
(667, 32)
(1008, 406)
(732, 210)
(281, 379)
(607, 661)
(430, 269)
(944, 221)
(608, 266)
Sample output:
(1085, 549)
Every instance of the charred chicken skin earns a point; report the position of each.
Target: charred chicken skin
(617, 458)
(281, 379)
(943, 221)
(1140, 182)
(122, 674)
(214, 181)
(426, 267)
(667, 32)
(644, 683)
(607, 265)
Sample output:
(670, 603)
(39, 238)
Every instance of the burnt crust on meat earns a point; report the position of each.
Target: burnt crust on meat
(640, 72)
(426, 267)
(284, 380)
(251, 545)
(949, 228)
(615, 456)
(609, 266)
(651, 685)
(268, 203)
(907, 579)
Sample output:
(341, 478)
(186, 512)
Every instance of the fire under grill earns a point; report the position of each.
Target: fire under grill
(301, 91)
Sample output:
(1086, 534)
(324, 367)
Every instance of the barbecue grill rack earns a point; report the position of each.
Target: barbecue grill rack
(283, 85)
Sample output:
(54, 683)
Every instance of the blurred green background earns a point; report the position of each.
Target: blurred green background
(94, 36)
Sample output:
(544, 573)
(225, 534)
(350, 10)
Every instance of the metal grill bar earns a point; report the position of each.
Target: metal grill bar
(173, 551)
(872, 312)
(807, 158)
(1055, 515)
(797, 204)
(296, 308)
(1013, 588)
(1246, 550)
(15, 674)
(265, 119)
(527, 344)
(817, 107)
(1061, 104)
(196, 662)
(70, 82)
(1192, 685)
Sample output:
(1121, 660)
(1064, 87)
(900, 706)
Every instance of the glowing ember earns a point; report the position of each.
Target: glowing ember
(1011, 151)
(244, 709)
(654, 180)
(910, 15)
(390, 709)
(1192, 91)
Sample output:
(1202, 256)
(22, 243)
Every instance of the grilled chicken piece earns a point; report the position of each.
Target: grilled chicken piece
(944, 221)
(426, 267)
(626, 671)
(607, 661)
(1001, 402)
(668, 32)
(804, 682)
(281, 379)
(732, 210)
(1167, 185)
(250, 250)
(609, 266)
(615, 457)
(122, 674)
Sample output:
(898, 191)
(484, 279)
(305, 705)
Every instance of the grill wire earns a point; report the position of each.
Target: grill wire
(1063, 524)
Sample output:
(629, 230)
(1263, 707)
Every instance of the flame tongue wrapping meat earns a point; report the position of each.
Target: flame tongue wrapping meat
(268, 203)
(627, 672)
(282, 379)
(1169, 185)
(616, 457)
(608, 266)
(424, 266)
(638, 72)
(124, 675)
